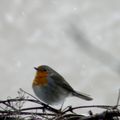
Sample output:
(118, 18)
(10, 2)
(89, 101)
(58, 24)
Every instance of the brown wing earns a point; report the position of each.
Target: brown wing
(58, 79)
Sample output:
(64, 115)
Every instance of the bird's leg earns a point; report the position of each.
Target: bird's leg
(61, 106)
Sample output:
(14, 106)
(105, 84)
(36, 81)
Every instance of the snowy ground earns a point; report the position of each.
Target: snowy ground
(78, 38)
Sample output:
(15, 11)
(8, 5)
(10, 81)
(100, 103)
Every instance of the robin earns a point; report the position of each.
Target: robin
(52, 88)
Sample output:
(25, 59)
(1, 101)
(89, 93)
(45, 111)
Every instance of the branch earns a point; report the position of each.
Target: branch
(12, 109)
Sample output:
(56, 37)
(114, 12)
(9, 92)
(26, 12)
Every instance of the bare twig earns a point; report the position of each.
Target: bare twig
(118, 100)
(14, 108)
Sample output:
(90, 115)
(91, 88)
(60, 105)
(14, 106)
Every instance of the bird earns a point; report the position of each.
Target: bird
(50, 87)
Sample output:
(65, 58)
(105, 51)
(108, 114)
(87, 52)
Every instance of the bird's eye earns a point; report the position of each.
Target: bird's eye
(44, 70)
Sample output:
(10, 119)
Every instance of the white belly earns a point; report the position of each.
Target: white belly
(50, 94)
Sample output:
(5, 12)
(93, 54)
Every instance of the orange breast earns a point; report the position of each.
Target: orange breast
(40, 79)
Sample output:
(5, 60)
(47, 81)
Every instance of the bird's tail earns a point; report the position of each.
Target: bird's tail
(82, 96)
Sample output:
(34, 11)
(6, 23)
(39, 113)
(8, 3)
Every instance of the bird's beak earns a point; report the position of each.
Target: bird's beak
(36, 68)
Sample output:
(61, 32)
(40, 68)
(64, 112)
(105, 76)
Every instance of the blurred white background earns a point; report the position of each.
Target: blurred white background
(77, 38)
